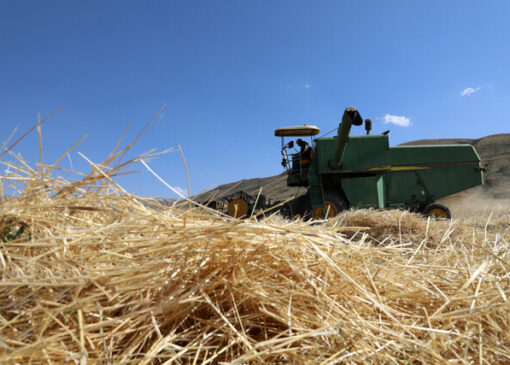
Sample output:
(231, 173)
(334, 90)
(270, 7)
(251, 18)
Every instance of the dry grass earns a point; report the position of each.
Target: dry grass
(98, 276)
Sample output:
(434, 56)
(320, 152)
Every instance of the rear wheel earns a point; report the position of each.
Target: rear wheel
(436, 211)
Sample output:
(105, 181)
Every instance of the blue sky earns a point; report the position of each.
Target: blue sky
(231, 72)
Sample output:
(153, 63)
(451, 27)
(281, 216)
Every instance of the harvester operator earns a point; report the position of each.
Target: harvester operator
(305, 154)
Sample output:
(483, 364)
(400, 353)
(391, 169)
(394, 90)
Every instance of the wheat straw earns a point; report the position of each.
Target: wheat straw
(100, 276)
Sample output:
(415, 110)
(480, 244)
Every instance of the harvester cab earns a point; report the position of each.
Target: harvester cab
(293, 160)
(365, 172)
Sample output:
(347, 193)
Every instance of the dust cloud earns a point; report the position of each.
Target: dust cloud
(477, 202)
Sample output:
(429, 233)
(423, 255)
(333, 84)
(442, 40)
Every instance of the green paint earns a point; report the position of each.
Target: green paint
(405, 177)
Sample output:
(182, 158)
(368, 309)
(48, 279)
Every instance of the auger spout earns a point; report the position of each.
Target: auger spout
(351, 116)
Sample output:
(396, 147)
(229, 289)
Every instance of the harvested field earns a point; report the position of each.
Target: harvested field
(96, 275)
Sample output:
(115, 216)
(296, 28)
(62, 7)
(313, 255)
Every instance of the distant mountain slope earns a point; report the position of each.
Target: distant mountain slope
(274, 187)
(494, 151)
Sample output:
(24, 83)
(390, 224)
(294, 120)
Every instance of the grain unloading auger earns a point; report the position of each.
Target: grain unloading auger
(365, 172)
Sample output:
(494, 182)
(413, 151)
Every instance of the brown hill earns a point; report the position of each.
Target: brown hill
(273, 187)
(494, 151)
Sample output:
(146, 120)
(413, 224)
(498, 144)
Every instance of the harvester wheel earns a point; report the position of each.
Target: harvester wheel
(237, 208)
(436, 211)
(333, 204)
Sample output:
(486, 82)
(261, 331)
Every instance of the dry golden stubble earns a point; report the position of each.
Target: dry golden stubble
(105, 277)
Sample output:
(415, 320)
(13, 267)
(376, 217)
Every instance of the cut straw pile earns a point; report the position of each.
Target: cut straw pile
(96, 275)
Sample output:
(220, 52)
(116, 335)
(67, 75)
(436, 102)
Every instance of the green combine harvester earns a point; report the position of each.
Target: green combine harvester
(365, 172)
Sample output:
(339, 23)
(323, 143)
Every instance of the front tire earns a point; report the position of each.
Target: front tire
(334, 203)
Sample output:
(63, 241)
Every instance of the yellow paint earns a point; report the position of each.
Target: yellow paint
(378, 168)
(317, 213)
(437, 213)
(407, 168)
(297, 131)
(330, 208)
(237, 208)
